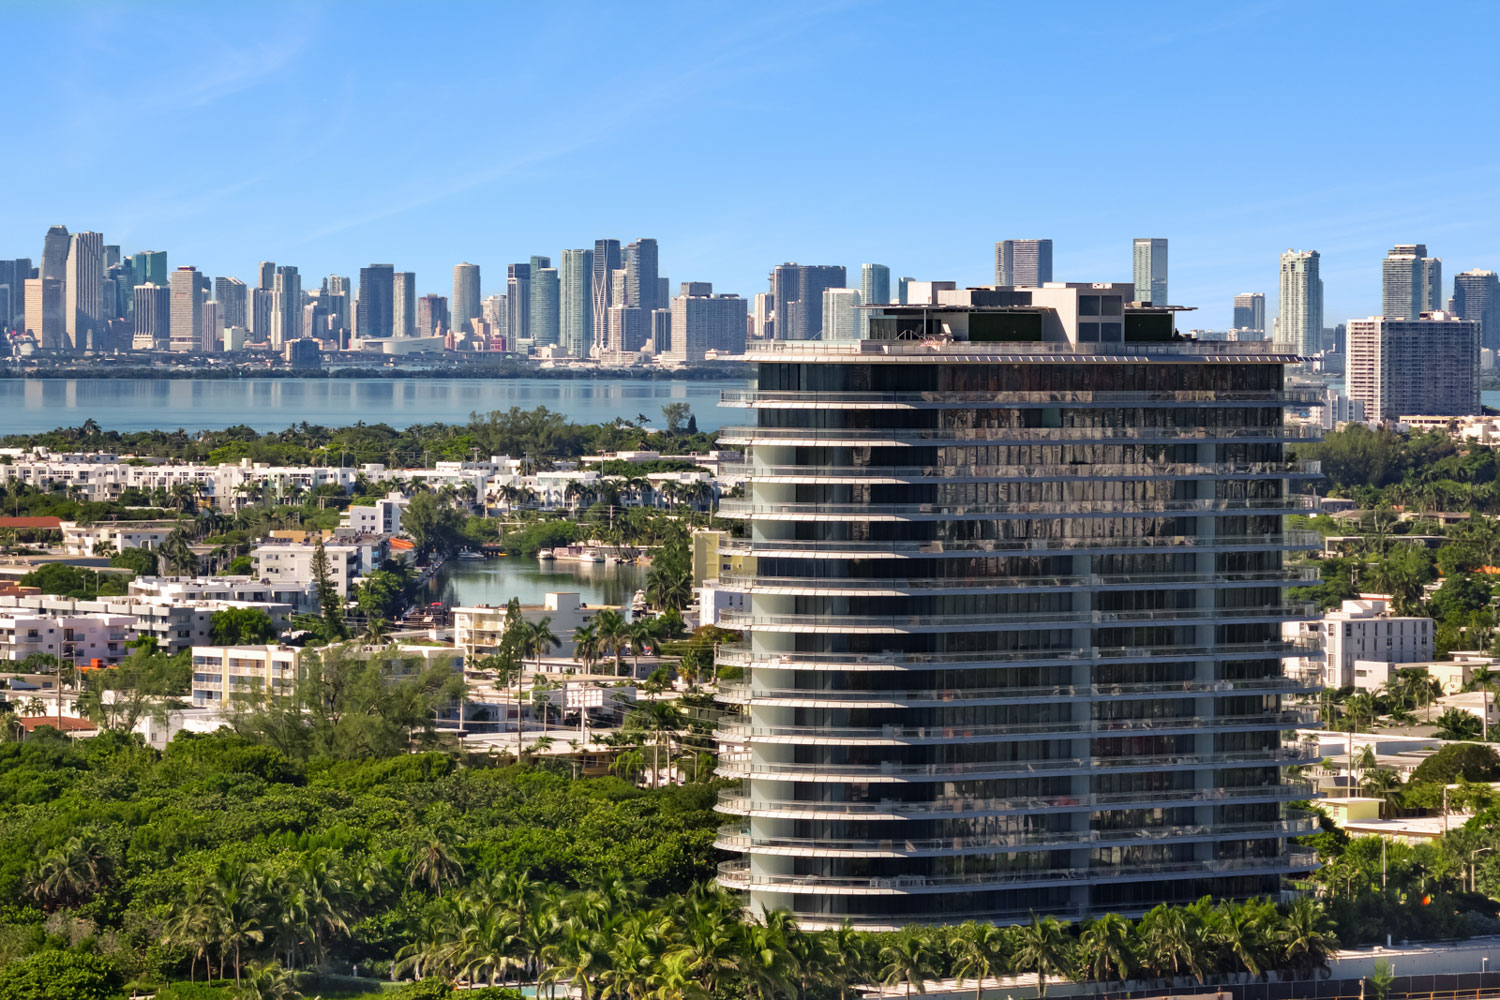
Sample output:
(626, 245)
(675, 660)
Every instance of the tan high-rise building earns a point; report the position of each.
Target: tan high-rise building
(83, 289)
(187, 310)
(44, 312)
(404, 305)
(1414, 367)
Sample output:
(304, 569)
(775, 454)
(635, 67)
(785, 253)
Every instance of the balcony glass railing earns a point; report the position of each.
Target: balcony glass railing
(737, 874)
(741, 655)
(738, 838)
(828, 585)
(739, 765)
(1284, 541)
(742, 693)
(831, 437)
(1001, 399)
(1070, 508)
(738, 729)
(1040, 619)
(756, 471)
(737, 802)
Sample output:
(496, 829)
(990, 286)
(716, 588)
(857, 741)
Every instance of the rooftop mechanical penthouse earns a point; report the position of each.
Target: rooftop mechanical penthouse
(1016, 570)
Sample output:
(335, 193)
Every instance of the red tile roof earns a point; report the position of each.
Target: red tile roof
(54, 523)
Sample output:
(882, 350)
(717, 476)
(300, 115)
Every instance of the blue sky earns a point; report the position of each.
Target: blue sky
(742, 135)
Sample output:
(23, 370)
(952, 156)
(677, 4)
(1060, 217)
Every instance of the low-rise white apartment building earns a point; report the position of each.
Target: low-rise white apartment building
(383, 517)
(87, 639)
(84, 539)
(188, 589)
(222, 672)
(477, 630)
(1365, 629)
(174, 626)
(289, 564)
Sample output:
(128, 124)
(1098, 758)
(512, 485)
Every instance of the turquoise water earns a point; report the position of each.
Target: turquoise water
(29, 406)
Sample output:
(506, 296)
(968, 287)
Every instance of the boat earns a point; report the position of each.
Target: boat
(576, 553)
(545, 555)
(471, 555)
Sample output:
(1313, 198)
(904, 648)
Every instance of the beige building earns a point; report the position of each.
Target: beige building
(477, 630)
(1427, 366)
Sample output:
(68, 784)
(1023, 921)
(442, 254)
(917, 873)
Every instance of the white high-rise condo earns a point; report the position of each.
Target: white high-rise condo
(1299, 327)
(1015, 576)
(1149, 263)
(1024, 263)
(1414, 367)
(84, 289)
(841, 314)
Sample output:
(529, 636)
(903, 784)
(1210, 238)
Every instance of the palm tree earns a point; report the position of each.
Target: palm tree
(1106, 946)
(638, 635)
(267, 981)
(1456, 724)
(1382, 783)
(659, 721)
(613, 634)
(909, 959)
(979, 952)
(236, 905)
(1306, 936)
(1043, 949)
(434, 861)
(1239, 932)
(586, 646)
(844, 958)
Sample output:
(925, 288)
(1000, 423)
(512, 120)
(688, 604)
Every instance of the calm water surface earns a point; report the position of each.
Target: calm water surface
(496, 581)
(29, 406)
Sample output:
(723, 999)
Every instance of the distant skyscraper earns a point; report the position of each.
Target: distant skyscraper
(606, 262)
(661, 330)
(518, 301)
(261, 308)
(493, 309)
(1411, 282)
(404, 304)
(1149, 260)
(840, 317)
(152, 318)
(1476, 296)
(545, 297)
(577, 300)
(233, 297)
(187, 310)
(212, 327)
(1414, 367)
(902, 286)
(377, 292)
(1299, 327)
(111, 254)
(798, 291)
(432, 315)
(83, 289)
(55, 253)
(13, 277)
(44, 312)
(641, 274)
(764, 305)
(1250, 311)
(149, 267)
(342, 305)
(465, 302)
(286, 306)
(1022, 262)
(703, 323)
(629, 329)
(265, 274)
(874, 289)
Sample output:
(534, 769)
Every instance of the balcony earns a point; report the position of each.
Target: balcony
(737, 875)
(738, 839)
(830, 437)
(734, 802)
(742, 693)
(739, 730)
(750, 510)
(1286, 541)
(755, 583)
(740, 765)
(1001, 399)
(740, 655)
(1098, 471)
(905, 624)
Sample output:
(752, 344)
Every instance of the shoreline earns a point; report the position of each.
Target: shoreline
(488, 374)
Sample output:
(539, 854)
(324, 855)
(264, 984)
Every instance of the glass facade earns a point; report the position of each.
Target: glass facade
(1013, 633)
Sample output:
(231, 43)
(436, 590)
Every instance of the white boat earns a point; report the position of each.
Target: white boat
(545, 555)
(471, 555)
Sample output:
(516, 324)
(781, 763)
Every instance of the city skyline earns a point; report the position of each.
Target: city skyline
(551, 178)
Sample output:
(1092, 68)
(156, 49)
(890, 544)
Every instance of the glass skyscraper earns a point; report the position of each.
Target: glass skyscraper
(1014, 587)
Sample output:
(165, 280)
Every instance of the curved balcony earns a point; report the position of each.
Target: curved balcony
(737, 875)
(1005, 400)
(741, 693)
(754, 583)
(832, 437)
(1301, 541)
(733, 730)
(737, 803)
(854, 624)
(738, 839)
(740, 765)
(1094, 471)
(740, 655)
(947, 351)
(753, 511)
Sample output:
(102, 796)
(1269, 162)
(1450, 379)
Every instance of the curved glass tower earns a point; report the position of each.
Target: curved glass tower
(1014, 576)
